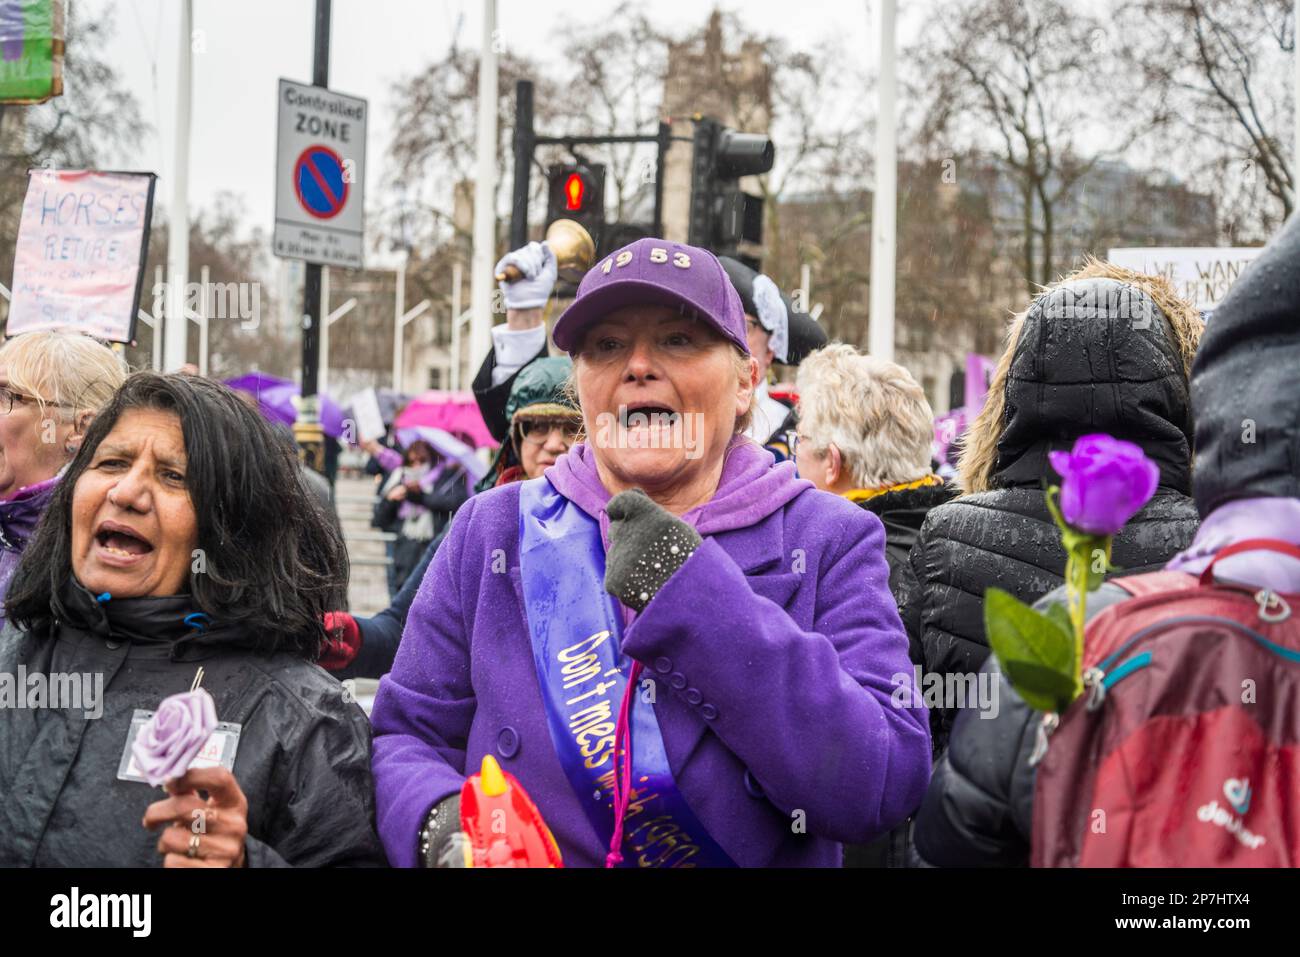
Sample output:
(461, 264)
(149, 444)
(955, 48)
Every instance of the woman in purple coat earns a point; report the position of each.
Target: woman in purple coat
(685, 654)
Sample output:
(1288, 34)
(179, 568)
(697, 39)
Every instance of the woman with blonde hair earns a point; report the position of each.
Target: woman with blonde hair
(51, 386)
(866, 432)
(1103, 350)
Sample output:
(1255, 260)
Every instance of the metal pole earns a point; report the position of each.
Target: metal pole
(884, 206)
(178, 228)
(456, 273)
(307, 430)
(523, 143)
(661, 152)
(480, 332)
(399, 311)
(158, 322)
(322, 377)
(205, 274)
(1295, 157)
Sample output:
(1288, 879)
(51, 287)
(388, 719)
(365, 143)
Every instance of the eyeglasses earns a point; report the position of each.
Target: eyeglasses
(537, 431)
(796, 440)
(8, 397)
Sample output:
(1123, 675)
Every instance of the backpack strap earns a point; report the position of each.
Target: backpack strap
(1152, 583)
(1249, 545)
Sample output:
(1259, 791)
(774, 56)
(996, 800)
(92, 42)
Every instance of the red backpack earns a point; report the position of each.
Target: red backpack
(1184, 749)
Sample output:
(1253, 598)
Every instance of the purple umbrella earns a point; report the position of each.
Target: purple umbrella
(275, 398)
(446, 445)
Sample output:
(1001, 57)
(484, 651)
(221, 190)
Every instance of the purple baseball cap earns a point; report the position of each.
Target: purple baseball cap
(655, 272)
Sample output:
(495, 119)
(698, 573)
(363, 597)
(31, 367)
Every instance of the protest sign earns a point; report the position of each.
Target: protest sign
(370, 421)
(1201, 275)
(79, 261)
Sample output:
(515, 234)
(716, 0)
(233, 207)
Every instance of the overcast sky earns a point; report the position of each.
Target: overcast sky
(250, 43)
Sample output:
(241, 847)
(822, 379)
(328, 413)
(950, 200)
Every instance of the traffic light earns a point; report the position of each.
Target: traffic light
(577, 192)
(723, 216)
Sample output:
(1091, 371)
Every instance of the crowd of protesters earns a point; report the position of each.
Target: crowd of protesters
(690, 619)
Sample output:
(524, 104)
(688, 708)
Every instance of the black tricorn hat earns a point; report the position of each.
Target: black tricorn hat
(805, 335)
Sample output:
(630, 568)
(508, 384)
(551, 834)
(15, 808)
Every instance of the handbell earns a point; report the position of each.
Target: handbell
(574, 249)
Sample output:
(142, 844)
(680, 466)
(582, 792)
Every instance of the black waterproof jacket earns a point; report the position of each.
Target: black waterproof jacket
(902, 511)
(979, 808)
(303, 758)
(1068, 377)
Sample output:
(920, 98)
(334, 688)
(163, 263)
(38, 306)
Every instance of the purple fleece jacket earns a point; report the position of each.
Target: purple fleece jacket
(18, 517)
(782, 620)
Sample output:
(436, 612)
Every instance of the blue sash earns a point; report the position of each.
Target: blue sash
(576, 630)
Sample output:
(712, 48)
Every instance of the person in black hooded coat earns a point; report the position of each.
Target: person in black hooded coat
(978, 810)
(1104, 350)
(181, 539)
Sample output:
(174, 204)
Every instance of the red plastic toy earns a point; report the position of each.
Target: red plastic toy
(502, 825)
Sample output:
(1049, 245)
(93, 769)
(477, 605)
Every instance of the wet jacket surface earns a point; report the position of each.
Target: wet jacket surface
(303, 759)
(1073, 372)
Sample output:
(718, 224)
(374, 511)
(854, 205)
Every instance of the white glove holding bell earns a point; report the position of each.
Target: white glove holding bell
(539, 268)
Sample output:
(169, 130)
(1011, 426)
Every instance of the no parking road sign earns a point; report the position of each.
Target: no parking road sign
(320, 167)
(321, 182)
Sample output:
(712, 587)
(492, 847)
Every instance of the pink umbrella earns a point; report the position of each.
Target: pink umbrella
(449, 411)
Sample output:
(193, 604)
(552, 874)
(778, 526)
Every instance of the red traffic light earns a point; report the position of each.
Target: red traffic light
(574, 188)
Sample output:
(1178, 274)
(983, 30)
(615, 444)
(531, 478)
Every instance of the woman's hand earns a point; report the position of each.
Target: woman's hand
(199, 833)
(647, 544)
(397, 493)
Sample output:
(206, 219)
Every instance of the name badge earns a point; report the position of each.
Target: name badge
(219, 749)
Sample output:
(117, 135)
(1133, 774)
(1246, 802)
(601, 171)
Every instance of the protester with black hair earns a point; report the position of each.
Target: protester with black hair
(180, 541)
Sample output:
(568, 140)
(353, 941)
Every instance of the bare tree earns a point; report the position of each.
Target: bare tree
(1026, 72)
(434, 146)
(1219, 70)
(613, 86)
(237, 263)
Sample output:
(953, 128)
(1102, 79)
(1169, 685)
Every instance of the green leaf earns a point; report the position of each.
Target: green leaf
(1044, 689)
(1060, 616)
(1034, 649)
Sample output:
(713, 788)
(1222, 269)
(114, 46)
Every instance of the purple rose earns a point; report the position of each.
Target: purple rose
(1104, 481)
(174, 736)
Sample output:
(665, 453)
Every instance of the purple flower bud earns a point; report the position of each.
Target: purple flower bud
(174, 736)
(1104, 481)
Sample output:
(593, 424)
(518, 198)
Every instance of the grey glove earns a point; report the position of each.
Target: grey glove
(646, 545)
(441, 838)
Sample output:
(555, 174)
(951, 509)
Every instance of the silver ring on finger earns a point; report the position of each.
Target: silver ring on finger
(193, 850)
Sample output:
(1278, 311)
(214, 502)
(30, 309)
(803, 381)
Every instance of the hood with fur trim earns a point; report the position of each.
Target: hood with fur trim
(1105, 349)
